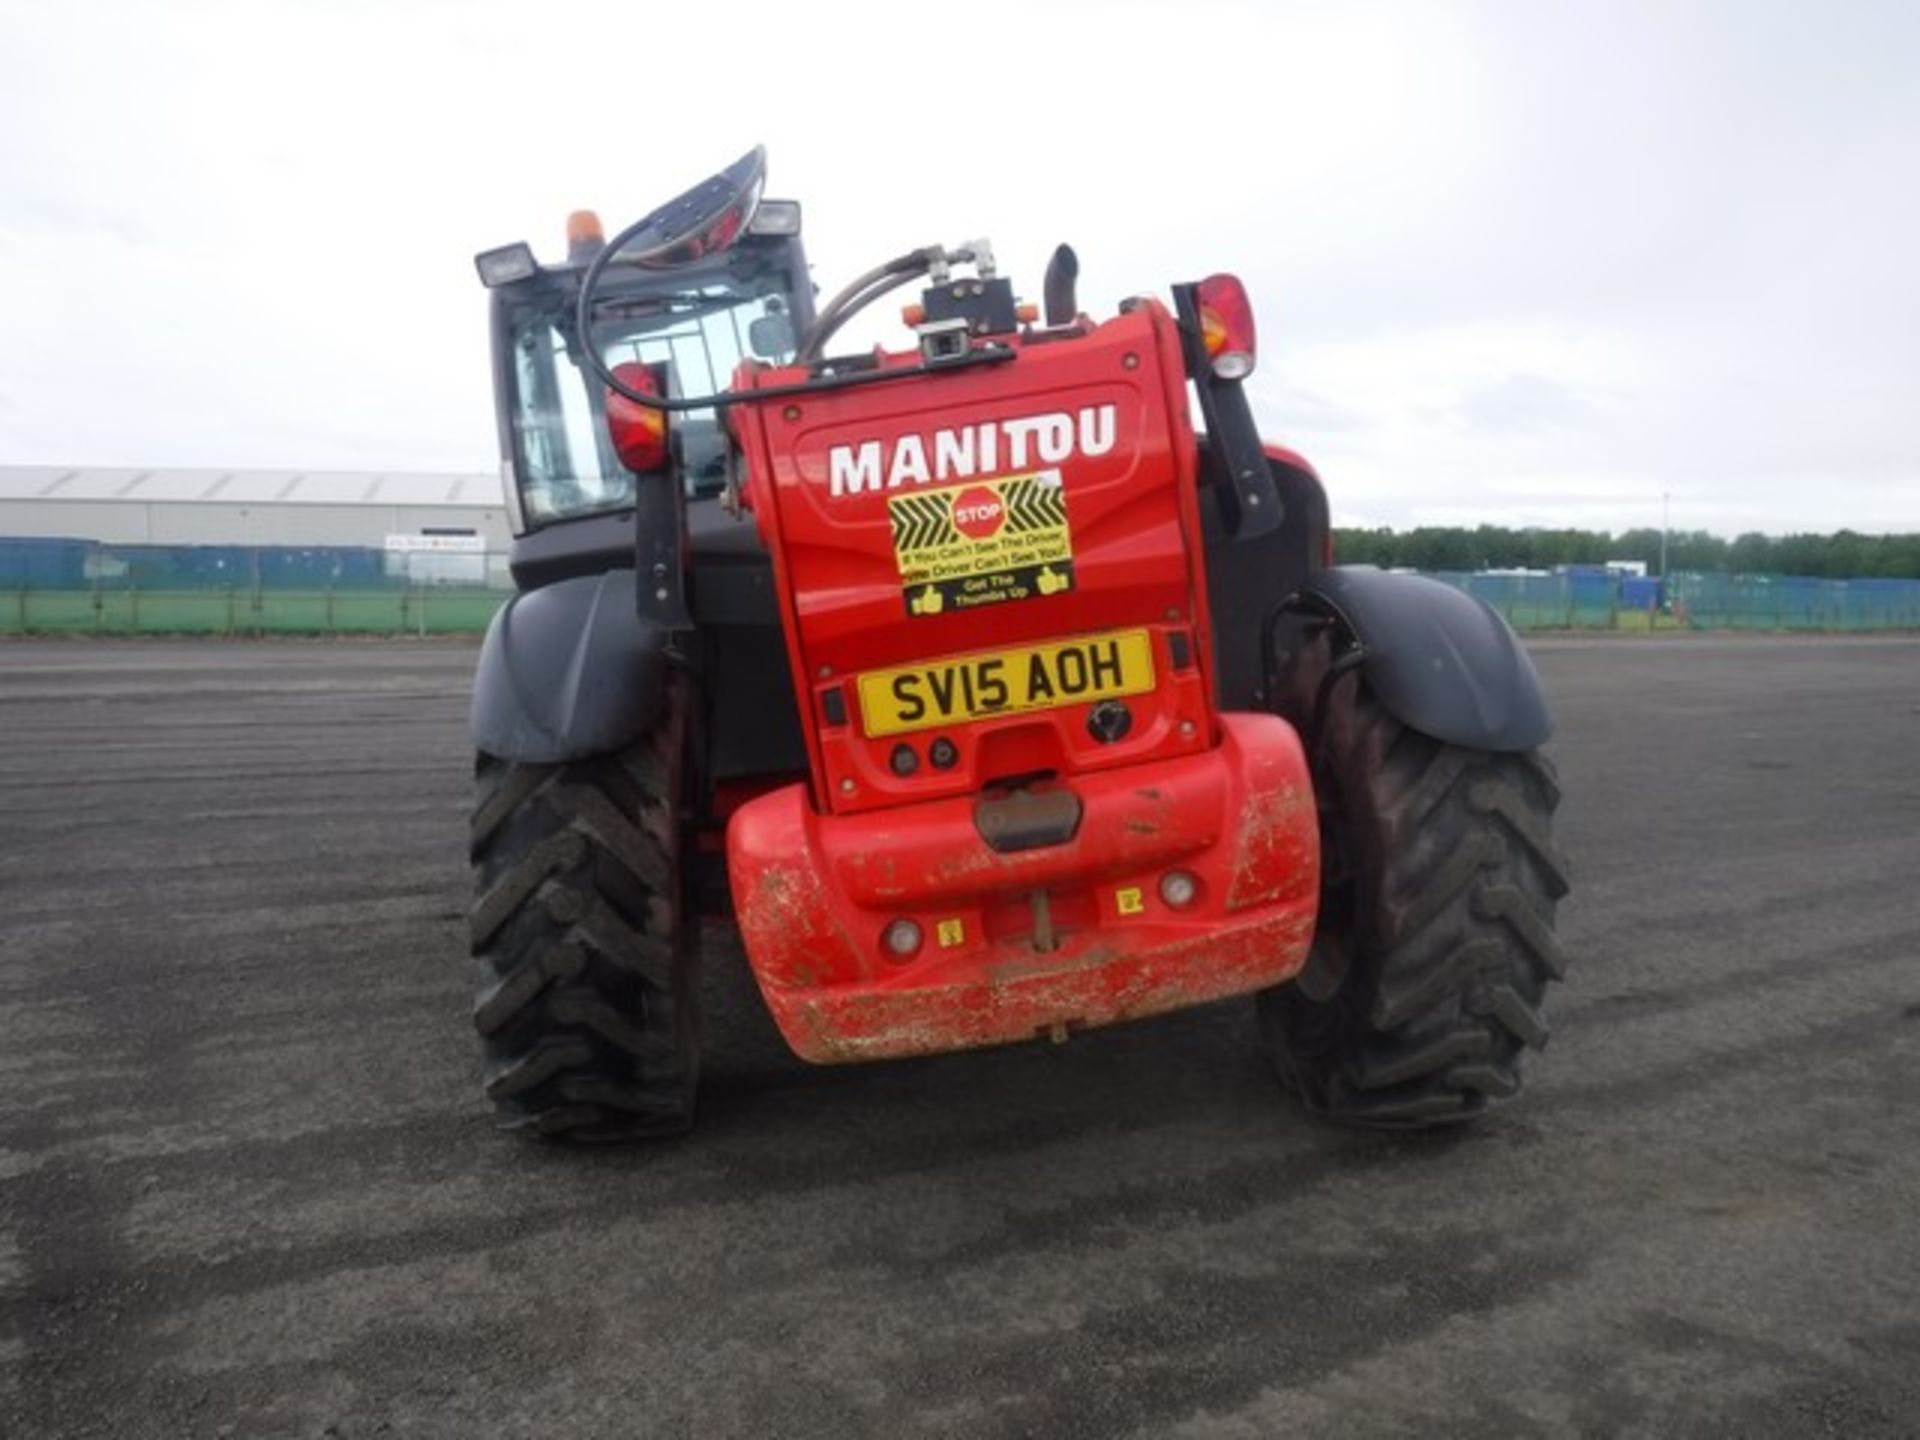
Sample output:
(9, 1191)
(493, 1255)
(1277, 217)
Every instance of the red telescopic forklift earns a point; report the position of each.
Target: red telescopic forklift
(991, 698)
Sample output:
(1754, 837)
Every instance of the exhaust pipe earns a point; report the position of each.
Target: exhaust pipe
(1057, 290)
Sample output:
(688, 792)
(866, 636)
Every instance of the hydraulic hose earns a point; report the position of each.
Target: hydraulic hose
(862, 292)
(855, 297)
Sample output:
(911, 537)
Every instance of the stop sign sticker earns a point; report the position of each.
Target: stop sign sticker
(981, 542)
(978, 513)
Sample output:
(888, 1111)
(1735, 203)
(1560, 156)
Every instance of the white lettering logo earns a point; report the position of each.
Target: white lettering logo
(970, 450)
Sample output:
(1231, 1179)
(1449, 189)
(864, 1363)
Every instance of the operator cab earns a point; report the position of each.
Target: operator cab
(690, 308)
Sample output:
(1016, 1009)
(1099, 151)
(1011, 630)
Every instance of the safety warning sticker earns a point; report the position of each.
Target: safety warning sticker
(982, 543)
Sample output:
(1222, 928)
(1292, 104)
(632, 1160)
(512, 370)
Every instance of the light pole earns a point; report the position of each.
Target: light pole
(1665, 498)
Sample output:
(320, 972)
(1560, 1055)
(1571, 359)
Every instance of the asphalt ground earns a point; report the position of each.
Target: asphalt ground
(247, 1185)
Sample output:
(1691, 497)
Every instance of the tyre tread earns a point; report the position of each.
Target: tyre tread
(1451, 944)
(584, 1004)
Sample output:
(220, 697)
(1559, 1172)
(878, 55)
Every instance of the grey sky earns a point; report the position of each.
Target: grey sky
(1512, 262)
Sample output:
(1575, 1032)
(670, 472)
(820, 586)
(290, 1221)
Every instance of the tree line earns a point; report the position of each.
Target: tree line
(1843, 555)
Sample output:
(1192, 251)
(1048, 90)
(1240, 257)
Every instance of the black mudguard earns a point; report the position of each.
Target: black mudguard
(1441, 661)
(569, 670)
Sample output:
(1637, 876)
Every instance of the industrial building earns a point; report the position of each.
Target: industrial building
(247, 507)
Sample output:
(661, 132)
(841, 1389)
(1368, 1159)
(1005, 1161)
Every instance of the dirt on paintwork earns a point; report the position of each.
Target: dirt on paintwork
(1278, 839)
(1065, 961)
(964, 869)
(781, 903)
(790, 904)
(887, 885)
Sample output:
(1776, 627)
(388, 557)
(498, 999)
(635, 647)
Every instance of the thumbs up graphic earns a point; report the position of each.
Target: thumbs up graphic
(928, 602)
(1049, 582)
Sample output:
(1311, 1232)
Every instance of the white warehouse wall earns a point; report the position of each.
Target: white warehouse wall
(177, 507)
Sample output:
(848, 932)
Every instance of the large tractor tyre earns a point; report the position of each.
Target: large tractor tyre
(586, 1005)
(1435, 943)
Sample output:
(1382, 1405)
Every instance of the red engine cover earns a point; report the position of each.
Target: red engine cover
(972, 519)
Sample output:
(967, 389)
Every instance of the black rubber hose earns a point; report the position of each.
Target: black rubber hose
(583, 321)
(583, 324)
(860, 293)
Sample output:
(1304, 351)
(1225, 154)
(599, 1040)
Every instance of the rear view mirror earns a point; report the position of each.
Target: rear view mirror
(771, 336)
(705, 220)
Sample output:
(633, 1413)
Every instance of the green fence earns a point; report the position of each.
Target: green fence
(1554, 602)
(82, 587)
(421, 611)
(1790, 602)
(1599, 601)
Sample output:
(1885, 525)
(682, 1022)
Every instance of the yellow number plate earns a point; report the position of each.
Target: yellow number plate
(977, 687)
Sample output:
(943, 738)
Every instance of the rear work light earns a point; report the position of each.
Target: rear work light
(776, 217)
(639, 433)
(1226, 326)
(506, 264)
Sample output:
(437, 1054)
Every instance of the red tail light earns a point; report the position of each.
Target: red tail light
(639, 433)
(1226, 326)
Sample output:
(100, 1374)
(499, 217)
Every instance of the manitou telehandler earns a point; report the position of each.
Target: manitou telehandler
(987, 696)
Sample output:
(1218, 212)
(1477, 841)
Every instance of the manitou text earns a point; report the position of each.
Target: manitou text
(964, 451)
